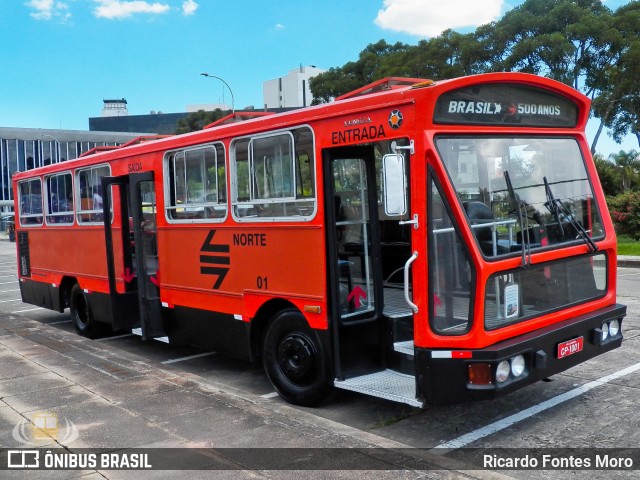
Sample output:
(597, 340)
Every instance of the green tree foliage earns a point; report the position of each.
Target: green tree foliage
(619, 173)
(581, 43)
(377, 60)
(608, 173)
(620, 179)
(559, 39)
(198, 120)
(619, 104)
(625, 212)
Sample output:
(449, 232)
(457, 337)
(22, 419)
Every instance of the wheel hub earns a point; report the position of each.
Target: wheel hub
(296, 357)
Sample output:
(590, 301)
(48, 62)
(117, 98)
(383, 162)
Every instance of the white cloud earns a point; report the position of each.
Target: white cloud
(121, 9)
(48, 9)
(429, 18)
(279, 26)
(189, 7)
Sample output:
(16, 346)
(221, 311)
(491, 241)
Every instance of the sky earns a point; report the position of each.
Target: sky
(60, 58)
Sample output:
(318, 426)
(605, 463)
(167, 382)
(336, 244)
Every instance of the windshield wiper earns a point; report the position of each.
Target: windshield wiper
(555, 206)
(519, 205)
(552, 206)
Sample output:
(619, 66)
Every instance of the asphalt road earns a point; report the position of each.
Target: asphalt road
(594, 405)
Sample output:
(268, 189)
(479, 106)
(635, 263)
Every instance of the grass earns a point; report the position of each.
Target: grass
(628, 246)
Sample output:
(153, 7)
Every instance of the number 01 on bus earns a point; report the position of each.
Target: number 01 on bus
(419, 241)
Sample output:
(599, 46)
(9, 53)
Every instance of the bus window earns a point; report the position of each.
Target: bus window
(197, 188)
(273, 176)
(59, 204)
(30, 192)
(514, 296)
(522, 194)
(452, 276)
(89, 192)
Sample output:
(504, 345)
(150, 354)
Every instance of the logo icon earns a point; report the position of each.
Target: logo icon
(44, 427)
(214, 259)
(395, 119)
(23, 459)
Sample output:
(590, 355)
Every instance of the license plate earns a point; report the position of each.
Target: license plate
(570, 347)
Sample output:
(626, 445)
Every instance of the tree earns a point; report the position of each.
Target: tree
(609, 175)
(581, 43)
(618, 105)
(625, 212)
(628, 166)
(374, 62)
(198, 120)
(559, 39)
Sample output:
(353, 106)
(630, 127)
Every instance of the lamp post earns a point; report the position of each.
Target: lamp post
(56, 144)
(233, 109)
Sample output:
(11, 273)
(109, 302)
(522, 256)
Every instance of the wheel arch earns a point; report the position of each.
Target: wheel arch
(265, 314)
(66, 284)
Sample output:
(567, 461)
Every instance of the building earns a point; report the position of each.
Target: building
(280, 94)
(157, 122)
(291, 90)
(26, 148)
(115, 108)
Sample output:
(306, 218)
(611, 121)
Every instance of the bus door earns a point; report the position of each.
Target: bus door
(355, 267)
(142, 197)
(136, 249)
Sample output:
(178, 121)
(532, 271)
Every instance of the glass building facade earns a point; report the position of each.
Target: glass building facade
(26, 148)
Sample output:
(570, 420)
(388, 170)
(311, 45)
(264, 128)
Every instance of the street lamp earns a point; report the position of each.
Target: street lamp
(233, 109)
(56, 145)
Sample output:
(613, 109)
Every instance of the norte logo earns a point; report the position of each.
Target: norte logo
(214, 259)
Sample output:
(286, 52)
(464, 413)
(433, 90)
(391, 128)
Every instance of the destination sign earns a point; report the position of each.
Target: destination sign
(505, 104)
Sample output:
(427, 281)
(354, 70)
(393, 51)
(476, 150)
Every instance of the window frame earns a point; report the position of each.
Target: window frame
(170, 186)
(252, 202)
(434, 181)
(78, 197)
(66, 213)
(22, 215)
(583, 163)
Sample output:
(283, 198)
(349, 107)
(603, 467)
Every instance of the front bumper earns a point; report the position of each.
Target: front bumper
(443, 381)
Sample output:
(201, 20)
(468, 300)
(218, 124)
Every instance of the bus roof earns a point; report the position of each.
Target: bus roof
(385, 91)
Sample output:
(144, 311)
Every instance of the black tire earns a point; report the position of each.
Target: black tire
(295, 361)
(81, 315)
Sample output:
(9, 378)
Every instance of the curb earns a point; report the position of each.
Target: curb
(628, 261)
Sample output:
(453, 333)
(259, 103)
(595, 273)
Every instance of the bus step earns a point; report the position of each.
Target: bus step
(138, 331)
(404, 347)
(388, 384)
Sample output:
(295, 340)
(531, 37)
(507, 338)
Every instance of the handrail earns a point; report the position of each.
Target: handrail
(407, 266)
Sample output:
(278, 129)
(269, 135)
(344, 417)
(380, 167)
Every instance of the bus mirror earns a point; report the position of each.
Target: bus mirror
(395, 185)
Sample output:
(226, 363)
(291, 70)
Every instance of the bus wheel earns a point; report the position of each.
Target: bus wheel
(294, 359)
(81, 315)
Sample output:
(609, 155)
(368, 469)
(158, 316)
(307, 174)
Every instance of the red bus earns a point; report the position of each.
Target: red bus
(420, 241)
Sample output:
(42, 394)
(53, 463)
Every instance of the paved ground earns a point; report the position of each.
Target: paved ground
(120, 392)
(117, 399)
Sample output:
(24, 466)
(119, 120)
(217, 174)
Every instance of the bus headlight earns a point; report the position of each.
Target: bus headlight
(517, 365)
(614, 328)
(502, 371)
(605, 331)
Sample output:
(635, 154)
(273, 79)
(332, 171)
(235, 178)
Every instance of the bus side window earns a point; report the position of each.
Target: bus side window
(59, 203)
(274, 176)
(452, 280)
(90, 195)
(30, 192)
(196, 184)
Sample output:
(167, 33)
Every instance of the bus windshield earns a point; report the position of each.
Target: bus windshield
(522, 193)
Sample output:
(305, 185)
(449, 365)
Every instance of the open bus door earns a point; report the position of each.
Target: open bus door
(354, 256)
(369, 280)
(140, 304)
